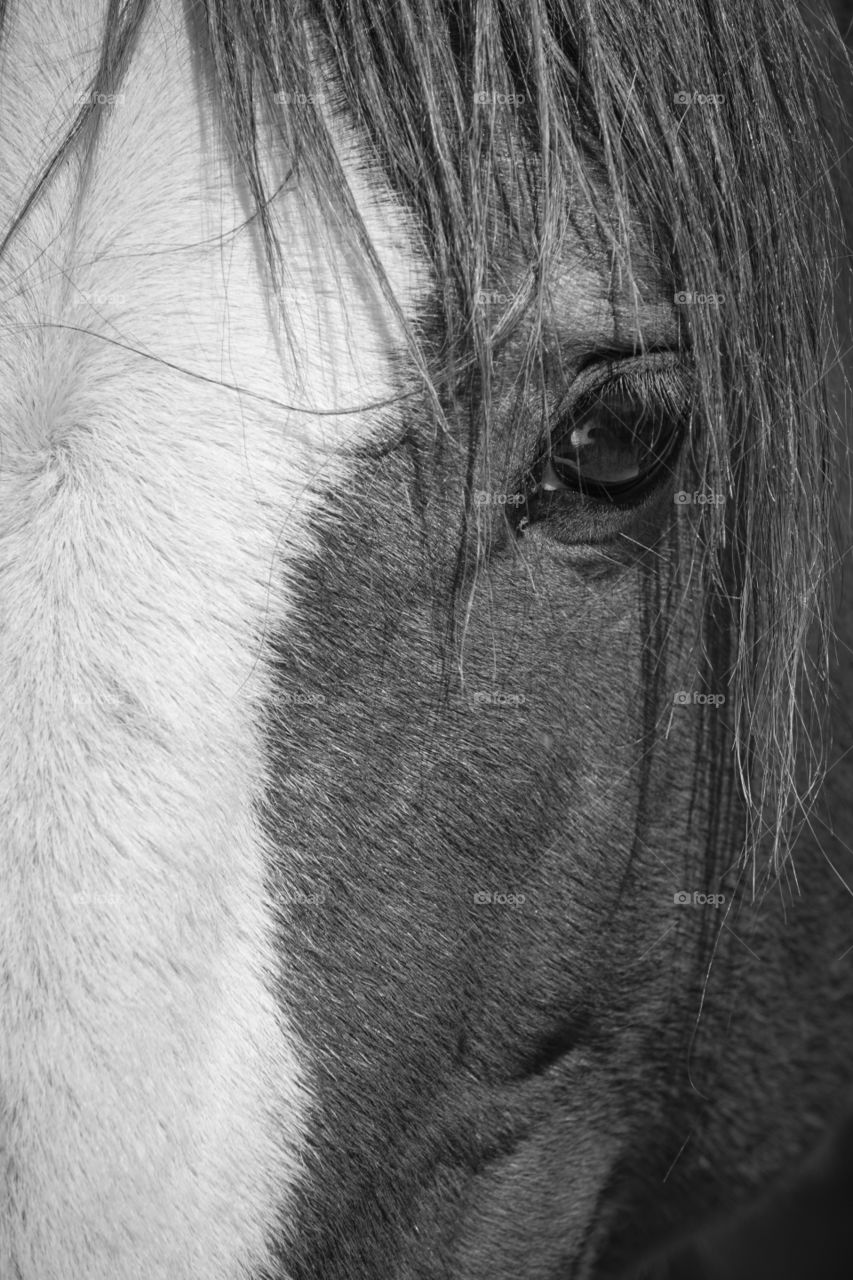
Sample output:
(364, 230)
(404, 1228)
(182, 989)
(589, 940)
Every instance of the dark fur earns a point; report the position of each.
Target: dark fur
(545, 1090)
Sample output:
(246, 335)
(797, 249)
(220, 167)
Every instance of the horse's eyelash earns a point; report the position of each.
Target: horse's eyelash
(666, 389)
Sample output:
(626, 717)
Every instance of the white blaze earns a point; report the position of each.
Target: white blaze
(153, 1093)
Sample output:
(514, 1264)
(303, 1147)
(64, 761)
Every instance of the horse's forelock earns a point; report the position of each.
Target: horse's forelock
(732, 190)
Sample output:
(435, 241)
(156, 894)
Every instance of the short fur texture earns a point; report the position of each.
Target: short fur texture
(347, 817)
(155, 464)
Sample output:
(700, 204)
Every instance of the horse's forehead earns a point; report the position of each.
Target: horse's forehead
(160, 458)
(163, 174)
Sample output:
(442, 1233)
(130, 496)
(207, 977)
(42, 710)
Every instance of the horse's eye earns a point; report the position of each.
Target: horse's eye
(616, 443)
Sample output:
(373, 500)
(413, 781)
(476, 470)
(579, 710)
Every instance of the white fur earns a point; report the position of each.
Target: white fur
(153, 1093)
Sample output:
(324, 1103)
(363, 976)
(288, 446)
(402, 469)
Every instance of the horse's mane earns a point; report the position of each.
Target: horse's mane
(735, 199)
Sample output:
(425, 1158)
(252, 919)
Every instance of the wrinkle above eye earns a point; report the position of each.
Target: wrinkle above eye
(590, 312)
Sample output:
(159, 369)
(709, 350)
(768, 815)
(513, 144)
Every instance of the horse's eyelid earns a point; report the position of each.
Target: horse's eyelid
(668, 388)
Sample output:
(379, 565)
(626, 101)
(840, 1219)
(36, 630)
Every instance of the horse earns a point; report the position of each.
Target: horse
(425, 823)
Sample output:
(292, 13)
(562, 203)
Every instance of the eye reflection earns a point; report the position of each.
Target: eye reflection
(615, 443)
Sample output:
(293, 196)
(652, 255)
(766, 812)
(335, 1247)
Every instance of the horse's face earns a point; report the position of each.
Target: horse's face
(476, 913)
(318, 919)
